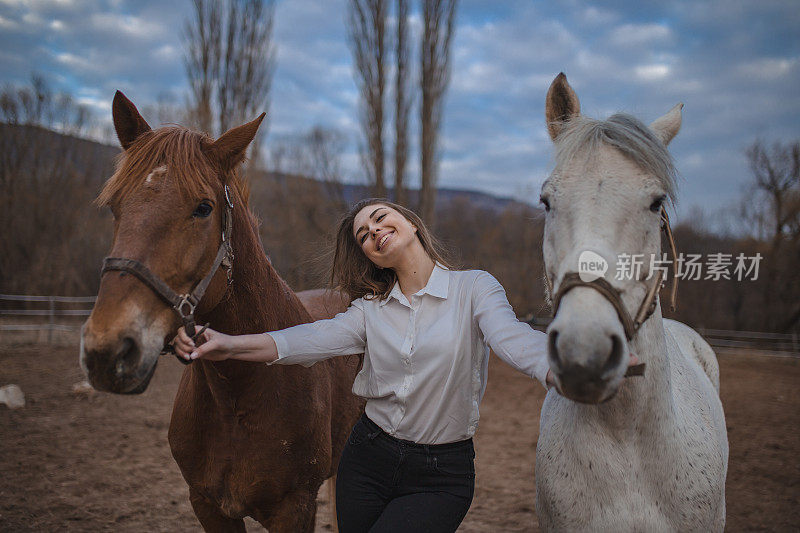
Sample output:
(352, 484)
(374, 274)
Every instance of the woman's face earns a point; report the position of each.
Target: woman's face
(383, 234)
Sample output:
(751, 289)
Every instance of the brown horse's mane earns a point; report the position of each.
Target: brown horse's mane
(183, 152)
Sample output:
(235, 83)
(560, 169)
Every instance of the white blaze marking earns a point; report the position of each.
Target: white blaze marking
(158, 171)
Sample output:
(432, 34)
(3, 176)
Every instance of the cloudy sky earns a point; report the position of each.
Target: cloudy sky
(734, 64)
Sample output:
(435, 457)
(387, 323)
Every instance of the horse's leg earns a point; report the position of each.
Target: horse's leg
(296, 513)
(211, 519)
(332, 499)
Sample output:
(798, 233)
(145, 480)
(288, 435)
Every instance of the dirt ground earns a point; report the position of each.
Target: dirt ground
(101, 462)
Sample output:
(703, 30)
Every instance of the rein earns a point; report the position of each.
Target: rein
(610, 293)
(183, 304)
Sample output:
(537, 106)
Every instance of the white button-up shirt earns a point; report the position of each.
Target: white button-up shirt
(425, 358)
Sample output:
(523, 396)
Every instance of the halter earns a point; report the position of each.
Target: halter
(183, 304)
(610, 293)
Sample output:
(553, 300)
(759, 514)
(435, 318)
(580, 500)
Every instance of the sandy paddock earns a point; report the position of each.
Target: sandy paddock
(101, 462)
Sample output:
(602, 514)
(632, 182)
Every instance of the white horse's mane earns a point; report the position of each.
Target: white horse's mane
(583, 135)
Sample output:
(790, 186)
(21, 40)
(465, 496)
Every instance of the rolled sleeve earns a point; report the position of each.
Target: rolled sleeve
(306, 344)
(515, 342)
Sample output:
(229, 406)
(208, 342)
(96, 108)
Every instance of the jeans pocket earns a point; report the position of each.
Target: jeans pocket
(454, 464)
(359, 434)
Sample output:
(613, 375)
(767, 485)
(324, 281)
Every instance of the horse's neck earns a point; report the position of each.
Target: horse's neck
(258, 300)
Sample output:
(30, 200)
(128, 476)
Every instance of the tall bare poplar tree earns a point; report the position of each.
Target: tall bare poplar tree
(402, 102)
(229, 59)
(367, 39)
(439, 23)
(201, 59)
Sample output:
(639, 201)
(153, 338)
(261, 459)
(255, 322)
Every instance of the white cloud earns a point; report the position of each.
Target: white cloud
(167, 53)
(97, 105)
(653, 72)
(769, 67)
(597, 16)
(32, 19)
(76, 62)
(8, 24)
(639, 34)
(128, 24)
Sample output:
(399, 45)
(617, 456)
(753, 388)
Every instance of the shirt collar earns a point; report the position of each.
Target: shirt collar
(438, 285)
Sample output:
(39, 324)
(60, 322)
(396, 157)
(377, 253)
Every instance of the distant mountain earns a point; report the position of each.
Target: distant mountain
(353, 192)
(100, 158)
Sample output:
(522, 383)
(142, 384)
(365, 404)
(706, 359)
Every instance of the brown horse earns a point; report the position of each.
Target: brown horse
(250, 439)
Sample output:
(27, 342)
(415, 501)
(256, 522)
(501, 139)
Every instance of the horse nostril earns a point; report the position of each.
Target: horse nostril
(127, 356)
(552, 351)
(615, 357)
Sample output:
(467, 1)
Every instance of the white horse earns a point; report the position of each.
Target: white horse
(614, 454)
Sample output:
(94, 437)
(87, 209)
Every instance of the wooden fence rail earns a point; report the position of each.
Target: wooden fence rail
(728, 341)
(52, 312)
(762, 343)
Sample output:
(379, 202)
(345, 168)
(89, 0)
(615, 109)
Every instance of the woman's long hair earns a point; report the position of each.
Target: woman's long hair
(359, 277)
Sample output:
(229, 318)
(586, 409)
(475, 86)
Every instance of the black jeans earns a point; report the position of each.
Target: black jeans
(386, 484)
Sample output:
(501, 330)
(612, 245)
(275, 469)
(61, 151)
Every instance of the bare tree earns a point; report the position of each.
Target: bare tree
(167, 109)
(773, 205)
(776, 179)
(367, 39)
(315, 154)
(439, 23)
(402, 103)
(229, 61)
(48, 177)
(202, 52)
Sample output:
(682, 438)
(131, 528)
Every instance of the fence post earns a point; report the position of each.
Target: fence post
(52, 319)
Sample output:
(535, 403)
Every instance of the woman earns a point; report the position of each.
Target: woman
(424, 329)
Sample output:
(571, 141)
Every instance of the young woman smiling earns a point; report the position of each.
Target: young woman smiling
(424, 329)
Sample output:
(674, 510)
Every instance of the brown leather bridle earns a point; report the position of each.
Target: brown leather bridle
(183, 304)
(646, 308)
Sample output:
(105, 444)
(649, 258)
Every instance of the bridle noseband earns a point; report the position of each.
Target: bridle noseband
(610, 293)
(183, 304)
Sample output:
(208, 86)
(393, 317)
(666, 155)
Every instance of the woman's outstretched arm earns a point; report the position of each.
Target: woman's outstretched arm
(304, 344)
(515, 342)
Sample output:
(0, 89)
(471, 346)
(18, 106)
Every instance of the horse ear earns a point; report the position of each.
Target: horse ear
(127, 120)
(562, 104)
(667, 127)
(229, 150)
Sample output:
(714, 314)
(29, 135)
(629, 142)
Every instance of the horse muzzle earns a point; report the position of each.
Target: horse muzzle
(587, 354)
(122, 364)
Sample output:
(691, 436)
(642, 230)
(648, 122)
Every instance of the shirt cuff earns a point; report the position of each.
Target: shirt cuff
(540, 371)
(283, 351)
(280, 343)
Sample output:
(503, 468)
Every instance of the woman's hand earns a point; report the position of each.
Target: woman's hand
(213, 345)
(550, 380)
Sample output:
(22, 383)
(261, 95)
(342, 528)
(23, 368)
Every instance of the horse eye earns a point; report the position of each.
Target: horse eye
(544, 202)
(655, 207)
(203, 210)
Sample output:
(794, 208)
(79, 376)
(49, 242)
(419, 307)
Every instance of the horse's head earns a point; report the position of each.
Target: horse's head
(603, 205)
(168, 198)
